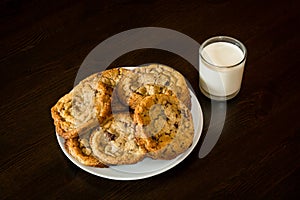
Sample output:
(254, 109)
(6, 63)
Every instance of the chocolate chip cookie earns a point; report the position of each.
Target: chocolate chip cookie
(75, 111)
(164, 126)
(88, 103)
(114, 142)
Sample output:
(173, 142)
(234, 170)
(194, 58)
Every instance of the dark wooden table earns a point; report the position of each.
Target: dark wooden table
(43, 44)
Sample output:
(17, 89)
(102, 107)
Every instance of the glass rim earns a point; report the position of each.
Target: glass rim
(231, 40)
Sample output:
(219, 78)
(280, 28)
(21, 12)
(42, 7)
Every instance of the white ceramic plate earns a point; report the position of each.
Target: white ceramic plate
(147, 167)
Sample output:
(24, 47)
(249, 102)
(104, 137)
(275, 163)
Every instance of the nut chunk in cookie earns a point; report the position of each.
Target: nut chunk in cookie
(114, 142)
(164, 126)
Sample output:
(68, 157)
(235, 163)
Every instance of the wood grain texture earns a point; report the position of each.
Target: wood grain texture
(43, 43)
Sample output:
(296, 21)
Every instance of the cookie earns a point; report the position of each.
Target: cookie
(89, 103)
(164, 126)
(156, 74)
(182, 140)
(114, 142)
(79, 149)
(75, 111)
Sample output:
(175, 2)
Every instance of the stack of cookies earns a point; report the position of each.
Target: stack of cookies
(121, 116)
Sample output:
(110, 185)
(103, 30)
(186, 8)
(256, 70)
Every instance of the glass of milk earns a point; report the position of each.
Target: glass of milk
(222, 62)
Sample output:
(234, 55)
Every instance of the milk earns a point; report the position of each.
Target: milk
(221, 69)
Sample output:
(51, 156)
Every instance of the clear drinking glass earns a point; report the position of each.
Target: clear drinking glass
(222, 62)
